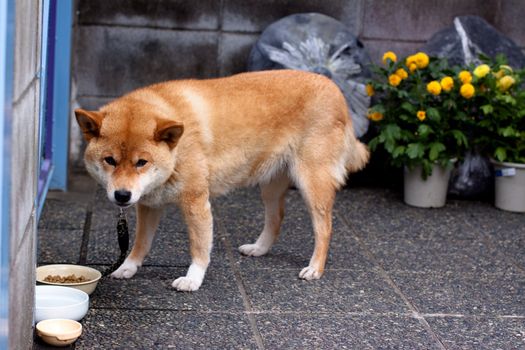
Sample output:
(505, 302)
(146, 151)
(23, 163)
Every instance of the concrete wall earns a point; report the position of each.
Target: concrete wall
(24, 172)
(124, 44)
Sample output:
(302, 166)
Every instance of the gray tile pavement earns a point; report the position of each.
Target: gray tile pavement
(397, 277)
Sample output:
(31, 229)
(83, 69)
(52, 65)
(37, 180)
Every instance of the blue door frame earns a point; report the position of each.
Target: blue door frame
(7, 25)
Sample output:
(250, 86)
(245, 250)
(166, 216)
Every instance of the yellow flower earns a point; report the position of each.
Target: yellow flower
(504, 70)
(409, 60)
(481, 70)
(375, 116)
(421, 60)
(421, 115)
(389, 55)
(369, 90)
(505, 83)
(467, 90)
(401, 73)
(394, 80)
(465, 77)
(434, 88)
(447, 83)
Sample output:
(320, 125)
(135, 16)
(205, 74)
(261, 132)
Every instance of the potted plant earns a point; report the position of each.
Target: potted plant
(419, 122)
(499, 128)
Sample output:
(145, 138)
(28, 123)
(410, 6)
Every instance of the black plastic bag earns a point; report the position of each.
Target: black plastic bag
(318, 43)
(472, 177)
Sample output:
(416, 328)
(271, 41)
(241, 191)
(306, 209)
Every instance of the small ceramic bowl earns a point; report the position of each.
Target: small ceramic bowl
(60, 302)
(59, 332)
(64, 270)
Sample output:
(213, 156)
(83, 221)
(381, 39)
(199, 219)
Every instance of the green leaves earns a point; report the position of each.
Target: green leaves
(507, 99)
(460, 137)
(487, 109)
(435, 149)
(433, 114)
(500, 154)
(373, 143)
(399, 150)
(508, 132)
(392, 132)
(410, 108)
(450, 104)
(388, 137)
(415, 150)
(424, 130)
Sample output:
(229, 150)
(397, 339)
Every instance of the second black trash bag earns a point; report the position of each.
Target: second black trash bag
(318, 43)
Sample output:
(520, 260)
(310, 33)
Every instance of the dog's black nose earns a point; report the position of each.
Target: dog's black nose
(122, 196)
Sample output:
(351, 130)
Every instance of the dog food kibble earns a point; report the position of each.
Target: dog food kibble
(65, 279)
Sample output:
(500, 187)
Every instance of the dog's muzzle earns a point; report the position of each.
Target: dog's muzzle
(122, 197)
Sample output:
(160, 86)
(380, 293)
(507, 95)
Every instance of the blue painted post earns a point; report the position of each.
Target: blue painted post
(45, 138)
(61, 94)
(54, 102)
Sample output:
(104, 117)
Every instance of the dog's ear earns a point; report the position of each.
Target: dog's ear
(89, 122)
(169, 131)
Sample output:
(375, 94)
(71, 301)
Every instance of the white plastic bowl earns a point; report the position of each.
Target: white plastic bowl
(60, 302)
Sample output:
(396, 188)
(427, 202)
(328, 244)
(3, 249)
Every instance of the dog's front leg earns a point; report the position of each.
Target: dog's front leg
(197, 213)
(147, 222)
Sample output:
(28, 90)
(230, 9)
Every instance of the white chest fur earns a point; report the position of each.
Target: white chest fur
(162, 195)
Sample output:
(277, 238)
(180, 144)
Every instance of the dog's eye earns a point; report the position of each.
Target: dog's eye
(141, 163)
(111, 161)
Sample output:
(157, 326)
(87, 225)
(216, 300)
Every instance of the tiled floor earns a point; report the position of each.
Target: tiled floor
(398, 277)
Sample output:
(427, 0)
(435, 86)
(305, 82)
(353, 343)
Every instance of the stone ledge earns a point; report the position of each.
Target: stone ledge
(203, 14)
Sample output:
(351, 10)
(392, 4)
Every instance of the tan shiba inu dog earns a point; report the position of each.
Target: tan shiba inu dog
(186, 141)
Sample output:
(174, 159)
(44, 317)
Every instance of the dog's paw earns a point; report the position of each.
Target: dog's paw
(126, 270)
(186, 284)
(252, 250)
(310, 273)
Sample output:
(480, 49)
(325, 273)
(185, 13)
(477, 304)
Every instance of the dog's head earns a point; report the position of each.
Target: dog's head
(129, 151)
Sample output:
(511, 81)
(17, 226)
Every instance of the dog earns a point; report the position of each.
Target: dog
(187, 141)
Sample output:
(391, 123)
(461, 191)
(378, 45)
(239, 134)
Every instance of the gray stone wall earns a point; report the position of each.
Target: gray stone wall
(123, 44)
(24, 174)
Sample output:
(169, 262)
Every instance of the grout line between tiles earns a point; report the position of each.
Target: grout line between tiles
(265, 312)
(240, 285)
(383, 273)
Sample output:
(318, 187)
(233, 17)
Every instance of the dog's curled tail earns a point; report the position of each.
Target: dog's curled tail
(359, 156)
(357, 153)
(355, 156)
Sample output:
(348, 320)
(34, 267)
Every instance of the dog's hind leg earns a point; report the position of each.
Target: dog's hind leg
(318, 191)
(273, 195)
(147, 222)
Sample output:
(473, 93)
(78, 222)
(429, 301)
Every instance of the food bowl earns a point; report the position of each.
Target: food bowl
(60, 302)
(91, 275)
(59, 332)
